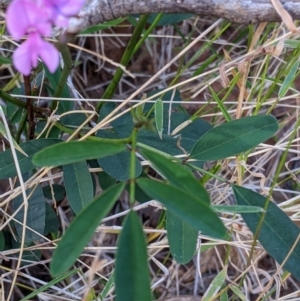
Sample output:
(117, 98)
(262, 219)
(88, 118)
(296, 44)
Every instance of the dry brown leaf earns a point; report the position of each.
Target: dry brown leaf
(224, 78)
(233, 72)
(284, 15)
(275, 50)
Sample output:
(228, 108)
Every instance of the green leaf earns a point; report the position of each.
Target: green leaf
(58, 192)
(82, 228)
(7, 164)
(132, 274)
(167, 144)
(159, 116)
(78, 184)
(182, 238)
(186, 137)
(165, 97)
(35, 214)
(215, 286)
(75, 151)
(289, 79)
(183, 124)
(105, 180)
(277, 234)
(4, 60)
(118, 166)
(177, 174)
(234, 137)
(169, 19)
(190, 209)
(2, 242)
(28, 256)
(51, 220)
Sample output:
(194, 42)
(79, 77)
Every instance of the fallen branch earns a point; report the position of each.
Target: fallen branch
(238, 11)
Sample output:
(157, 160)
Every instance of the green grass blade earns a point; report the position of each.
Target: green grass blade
(238, 293)
(288, 79)
(50, 284)
(94, 28)
(215, 286)
(159, 117)
(220, 104)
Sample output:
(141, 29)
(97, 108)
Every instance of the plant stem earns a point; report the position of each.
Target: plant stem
(147, 32)
(29, 108)
(65, 52)
(9, 98)
(93, 138)
(21, 126)
(132, 165)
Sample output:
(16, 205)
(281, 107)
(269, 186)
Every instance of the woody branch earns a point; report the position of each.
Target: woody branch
(237, 11)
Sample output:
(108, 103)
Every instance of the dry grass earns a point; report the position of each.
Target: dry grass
(156, 64)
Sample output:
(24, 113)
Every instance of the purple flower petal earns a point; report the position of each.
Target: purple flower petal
(49, 55)
(61, 10)
(26, 56)
(25, 16)
(15, 11)
(71, 7)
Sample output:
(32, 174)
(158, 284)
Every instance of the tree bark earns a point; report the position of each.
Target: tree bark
(237, 11)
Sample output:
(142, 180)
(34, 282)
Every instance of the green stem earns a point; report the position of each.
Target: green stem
(147, 32)
(208, 173)
(65, 52)
(9, 98)
(132, 165)
(21, 126)
(127, 55)
(93, 138)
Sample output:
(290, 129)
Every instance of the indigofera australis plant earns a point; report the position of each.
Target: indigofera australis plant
(121, 151)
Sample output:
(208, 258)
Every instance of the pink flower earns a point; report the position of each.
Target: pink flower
(35, 18)
(61, 10)
(26, 56)
(26, 16)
